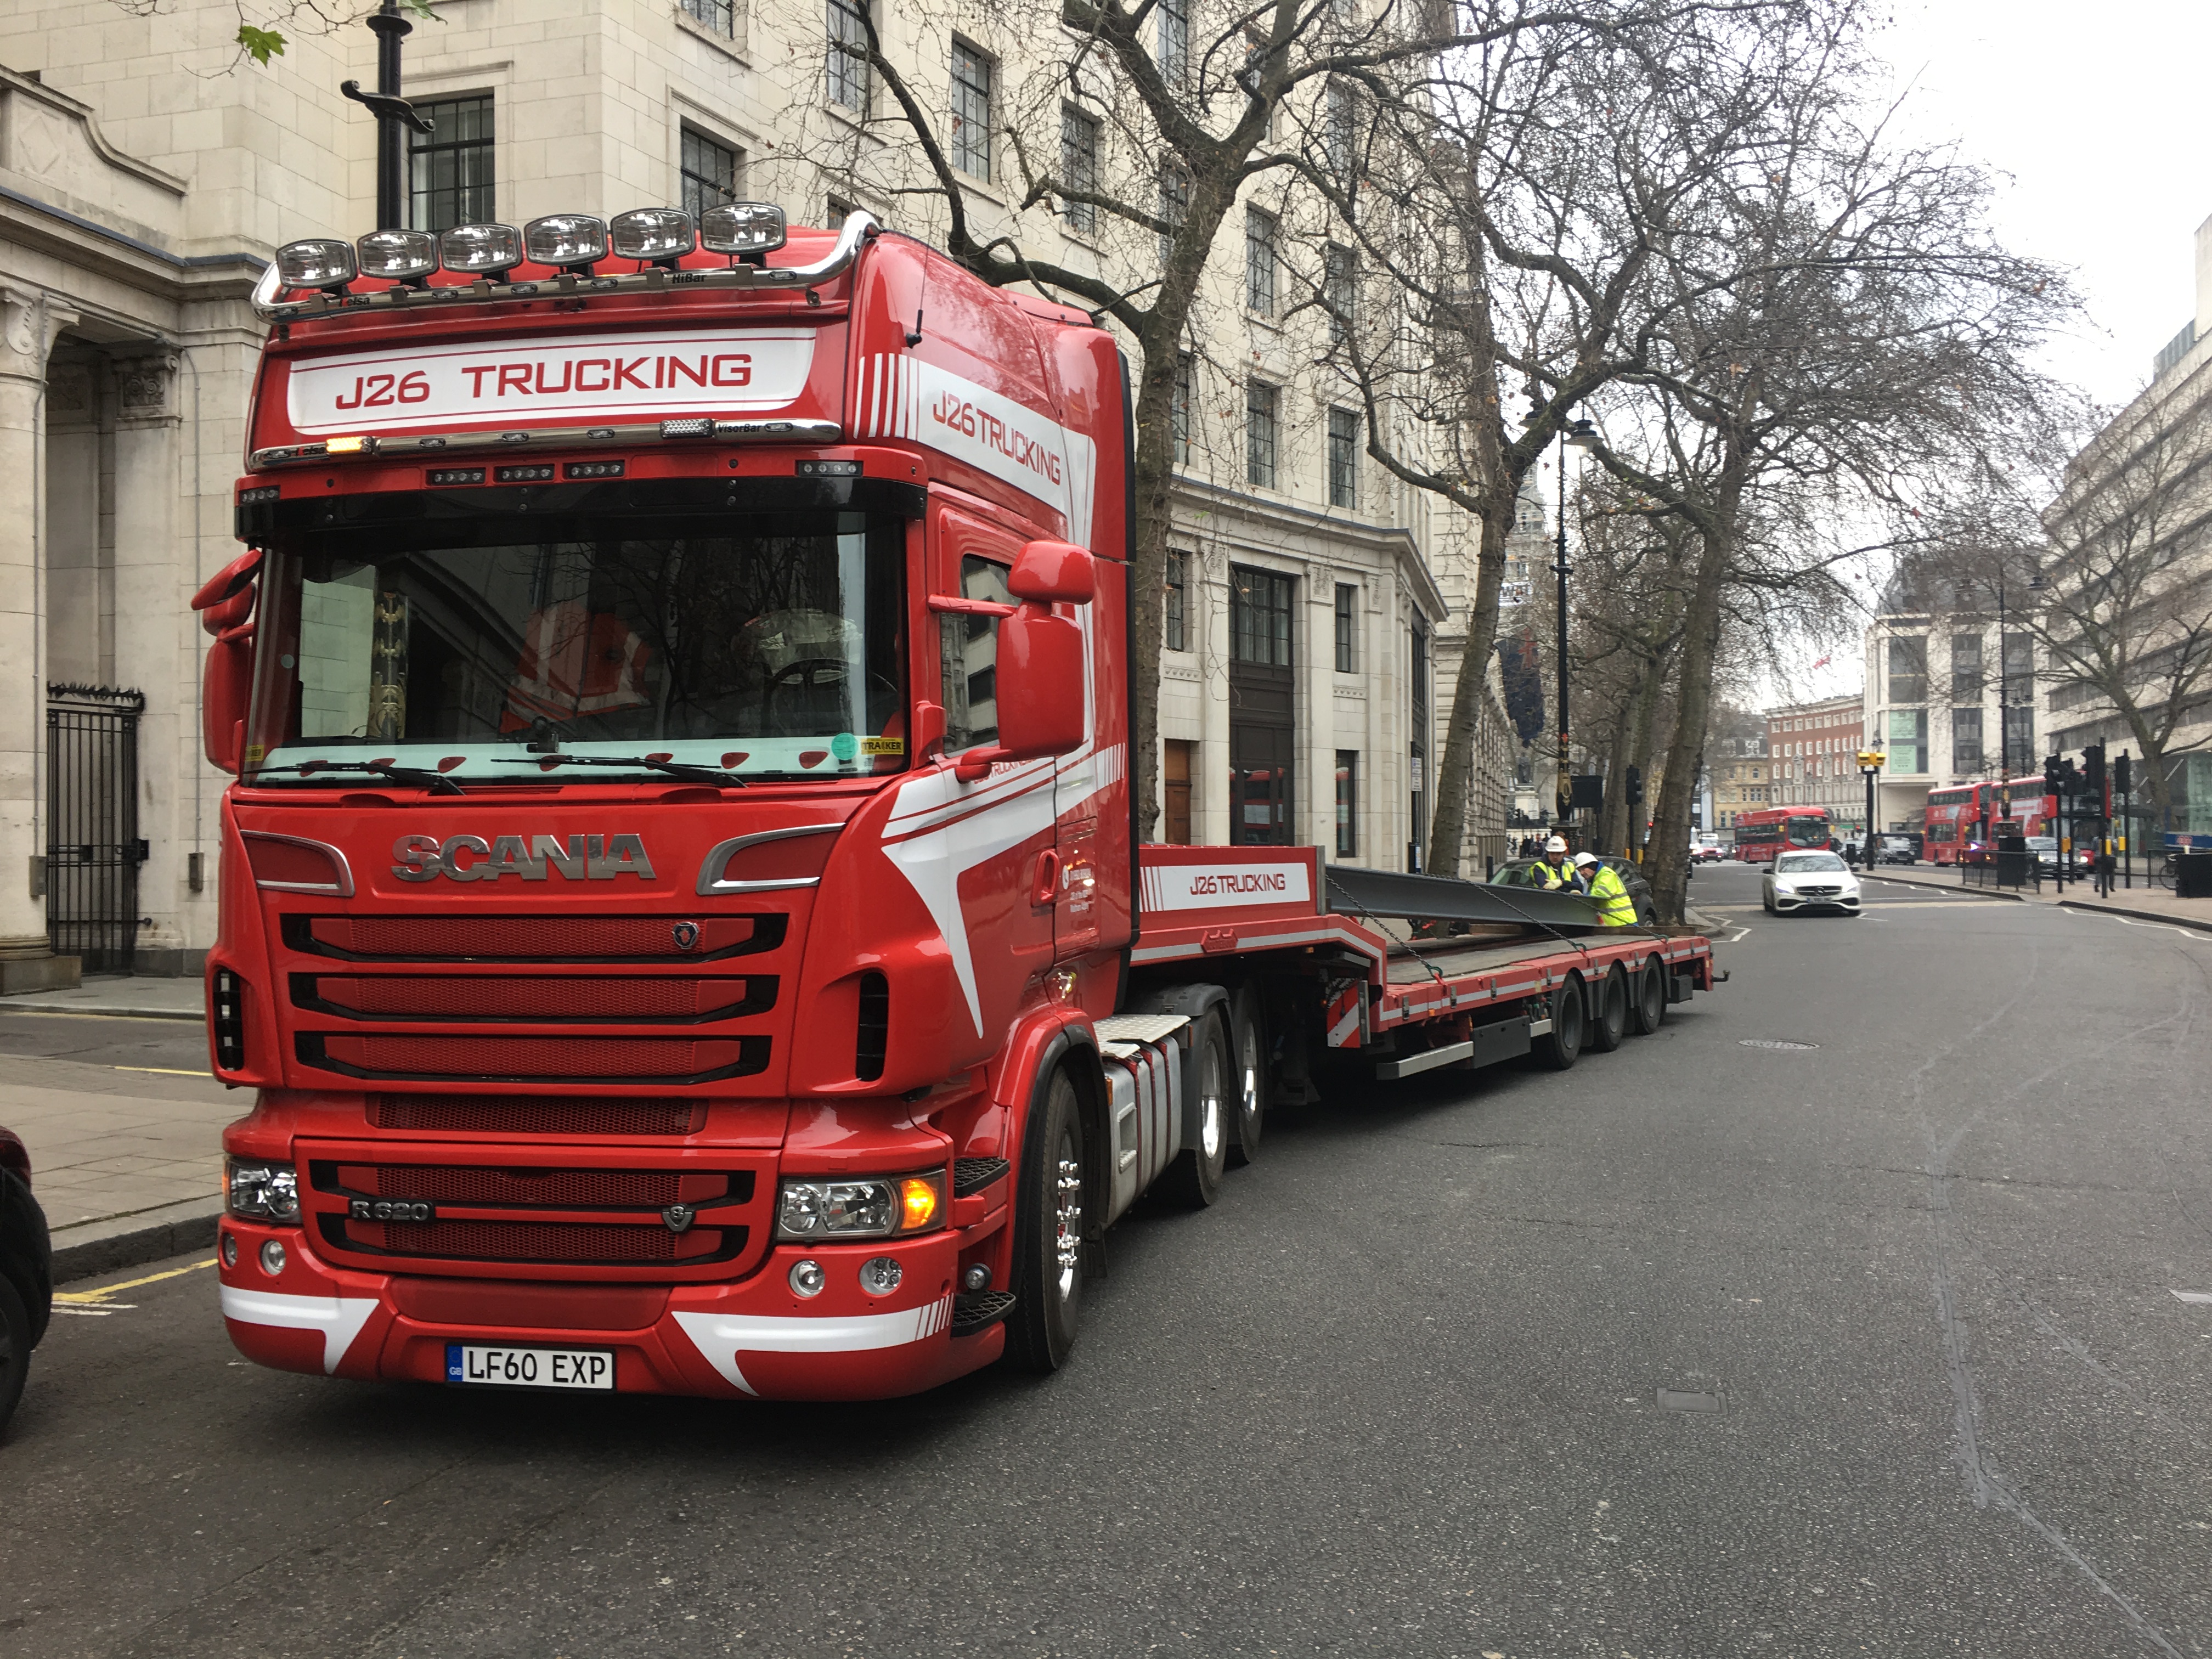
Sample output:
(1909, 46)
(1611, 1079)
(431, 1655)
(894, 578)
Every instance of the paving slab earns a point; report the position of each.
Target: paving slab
(127, 996)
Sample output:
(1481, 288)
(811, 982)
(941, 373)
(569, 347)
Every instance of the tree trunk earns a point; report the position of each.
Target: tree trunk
(1455, 766)
(1611, 822)
(1667, 864)
(1647, 715)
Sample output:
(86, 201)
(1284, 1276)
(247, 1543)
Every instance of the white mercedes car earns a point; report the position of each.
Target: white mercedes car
(1809, 881)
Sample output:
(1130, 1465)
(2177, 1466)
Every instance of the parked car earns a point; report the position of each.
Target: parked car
(1521, 872)
(27, 1276)
(1900, 850)
(1808, 881)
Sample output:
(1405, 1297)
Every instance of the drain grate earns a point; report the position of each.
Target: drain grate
(1672, 1400)
(1771, 1043)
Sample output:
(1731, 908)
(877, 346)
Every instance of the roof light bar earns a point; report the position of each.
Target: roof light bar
(485, 250)
(652, 234)
(401, 255)
(557, 437)
(569, 240)
(319, 261)
(744, 228)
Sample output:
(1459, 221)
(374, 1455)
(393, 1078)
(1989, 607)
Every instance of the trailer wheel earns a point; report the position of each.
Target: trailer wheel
(1048, 1234)
(1608, 1023)
(1194, 1178)
(1650, 1010)
(1248, 1075)
(1558, 1047)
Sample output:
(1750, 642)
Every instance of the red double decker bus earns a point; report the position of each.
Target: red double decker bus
(1963, 819)
(1760, 836)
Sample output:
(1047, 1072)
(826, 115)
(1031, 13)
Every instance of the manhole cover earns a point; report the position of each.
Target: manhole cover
(1771, 1043)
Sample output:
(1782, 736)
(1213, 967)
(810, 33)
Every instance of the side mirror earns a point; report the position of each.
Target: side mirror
(223, 695)
(225, 587)
(1040, 690)
(1052, 572)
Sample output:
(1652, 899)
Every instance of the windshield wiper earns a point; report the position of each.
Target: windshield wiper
(422, 775)
(674, 768)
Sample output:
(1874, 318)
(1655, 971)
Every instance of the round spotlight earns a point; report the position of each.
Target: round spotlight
(400, 255)
(651, 234)
(880, 1275)
(742, 228)
(485, 250)
(319, 261)
(230, 1249)
(806, 1278)
(565, 238)
(976, 1277)
(272, 1259)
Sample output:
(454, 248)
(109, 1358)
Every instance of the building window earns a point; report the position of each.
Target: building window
(848, 53)
(1343, 457)
(1966, 739)
(1261, 403)
(2019, 736)
(720, 15)
(1340, 134)
(836, 211)
(1908, 741)
(2020, 665)
(968, 653)
(1347, 629)
(1175, 41)
(1175, 602)
(709, 174)
(1180, 766)
(1339, 289)
(1079, 165)
(1174, 203)
(1420, 668)
(1347, 799)
(1179, 410)
(1965, 668)
(1258, 617)
(971, 111)
(1259, 262)
(1908, 668)
(449, 172)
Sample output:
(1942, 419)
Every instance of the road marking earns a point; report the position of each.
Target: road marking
(106, 1290)
(165, 1071)
(2197, 1297)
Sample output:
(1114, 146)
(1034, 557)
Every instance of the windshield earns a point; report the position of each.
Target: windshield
(1798, 863)
(751, 643)
(1808, 832)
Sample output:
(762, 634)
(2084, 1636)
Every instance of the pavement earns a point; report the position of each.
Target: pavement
(1865, 1309)
(110, 1089)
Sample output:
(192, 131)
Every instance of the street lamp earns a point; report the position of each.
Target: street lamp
(1870, 763)
(2004, 678)
(1582, 435)
(391, 111)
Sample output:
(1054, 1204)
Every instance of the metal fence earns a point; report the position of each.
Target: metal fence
(92, 848)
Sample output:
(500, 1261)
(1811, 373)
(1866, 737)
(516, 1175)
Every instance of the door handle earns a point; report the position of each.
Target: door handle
(1047, 888)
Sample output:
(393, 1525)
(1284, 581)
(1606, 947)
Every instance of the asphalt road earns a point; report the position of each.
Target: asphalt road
(1400, 1393)
(110, 1040)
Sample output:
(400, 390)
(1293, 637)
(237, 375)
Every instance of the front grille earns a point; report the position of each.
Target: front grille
(517, 1114)
(544, 1188)
(1819, 892)
(873, 1036)
(533, 1059)
(580, 1244)
(476, 998)
(532, 938)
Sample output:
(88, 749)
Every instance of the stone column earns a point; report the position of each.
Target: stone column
(150, 617)
(1210, 796)
(30, 320)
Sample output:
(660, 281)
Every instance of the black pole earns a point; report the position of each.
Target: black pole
(1561, 568)
(2004, 694)
(390, 156)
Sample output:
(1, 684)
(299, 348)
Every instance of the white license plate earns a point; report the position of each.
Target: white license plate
(590, 1369)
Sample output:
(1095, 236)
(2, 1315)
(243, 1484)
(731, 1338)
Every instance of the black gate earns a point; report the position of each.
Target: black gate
(92, 849)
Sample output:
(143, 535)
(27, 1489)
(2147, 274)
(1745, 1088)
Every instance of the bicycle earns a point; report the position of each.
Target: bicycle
(2168, 874)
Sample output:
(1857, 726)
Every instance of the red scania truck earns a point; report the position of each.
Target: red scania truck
(680, 911)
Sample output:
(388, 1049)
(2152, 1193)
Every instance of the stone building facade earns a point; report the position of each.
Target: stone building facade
(146, 176)
(1813, 758)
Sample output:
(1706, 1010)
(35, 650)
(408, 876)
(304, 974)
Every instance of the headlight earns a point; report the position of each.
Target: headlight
(318, 262)
(871, 1208)
(266, 1192)
(742, 228)
(651, 234)
(565, 238)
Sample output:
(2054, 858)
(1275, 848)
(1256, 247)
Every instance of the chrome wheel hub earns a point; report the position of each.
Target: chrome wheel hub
(1067, 1210)
(1209, 1109)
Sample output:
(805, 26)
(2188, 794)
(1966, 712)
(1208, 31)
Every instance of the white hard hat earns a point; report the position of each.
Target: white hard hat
(1580, 859)
(1557, 844)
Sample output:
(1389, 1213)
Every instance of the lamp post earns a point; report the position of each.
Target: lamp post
(1870, 763)
(1582, 435)
(391, 110)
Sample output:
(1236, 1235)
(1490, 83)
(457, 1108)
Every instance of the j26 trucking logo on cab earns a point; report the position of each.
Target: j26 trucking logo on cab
(531, 858)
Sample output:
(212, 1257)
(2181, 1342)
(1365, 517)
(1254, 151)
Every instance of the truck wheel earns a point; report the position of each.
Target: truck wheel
(15, 1348)
(1558, 1047)
(1194, 1178)
(1048, 1234)
(1608, 1023)
(1249, 1076)
(1650, 1010)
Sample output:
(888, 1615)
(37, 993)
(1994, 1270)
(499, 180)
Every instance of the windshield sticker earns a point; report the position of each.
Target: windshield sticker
(883, 745)
(576, 376)
(844, 746)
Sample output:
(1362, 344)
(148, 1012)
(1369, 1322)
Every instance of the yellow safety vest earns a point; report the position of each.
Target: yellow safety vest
(1551, 877)
(1615, 908)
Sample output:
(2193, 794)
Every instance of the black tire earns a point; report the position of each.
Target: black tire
(1649, 1013)
(15, 1348)
(1194, 1178)
(1047, 1261)
(1608, 1024)
(1247, 1050)
(1562, 1045)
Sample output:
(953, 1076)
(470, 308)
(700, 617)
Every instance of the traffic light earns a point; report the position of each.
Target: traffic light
(2051, 774)
(2069, 776)
(1634, 784)
(2092, 769)
(2124, 772)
